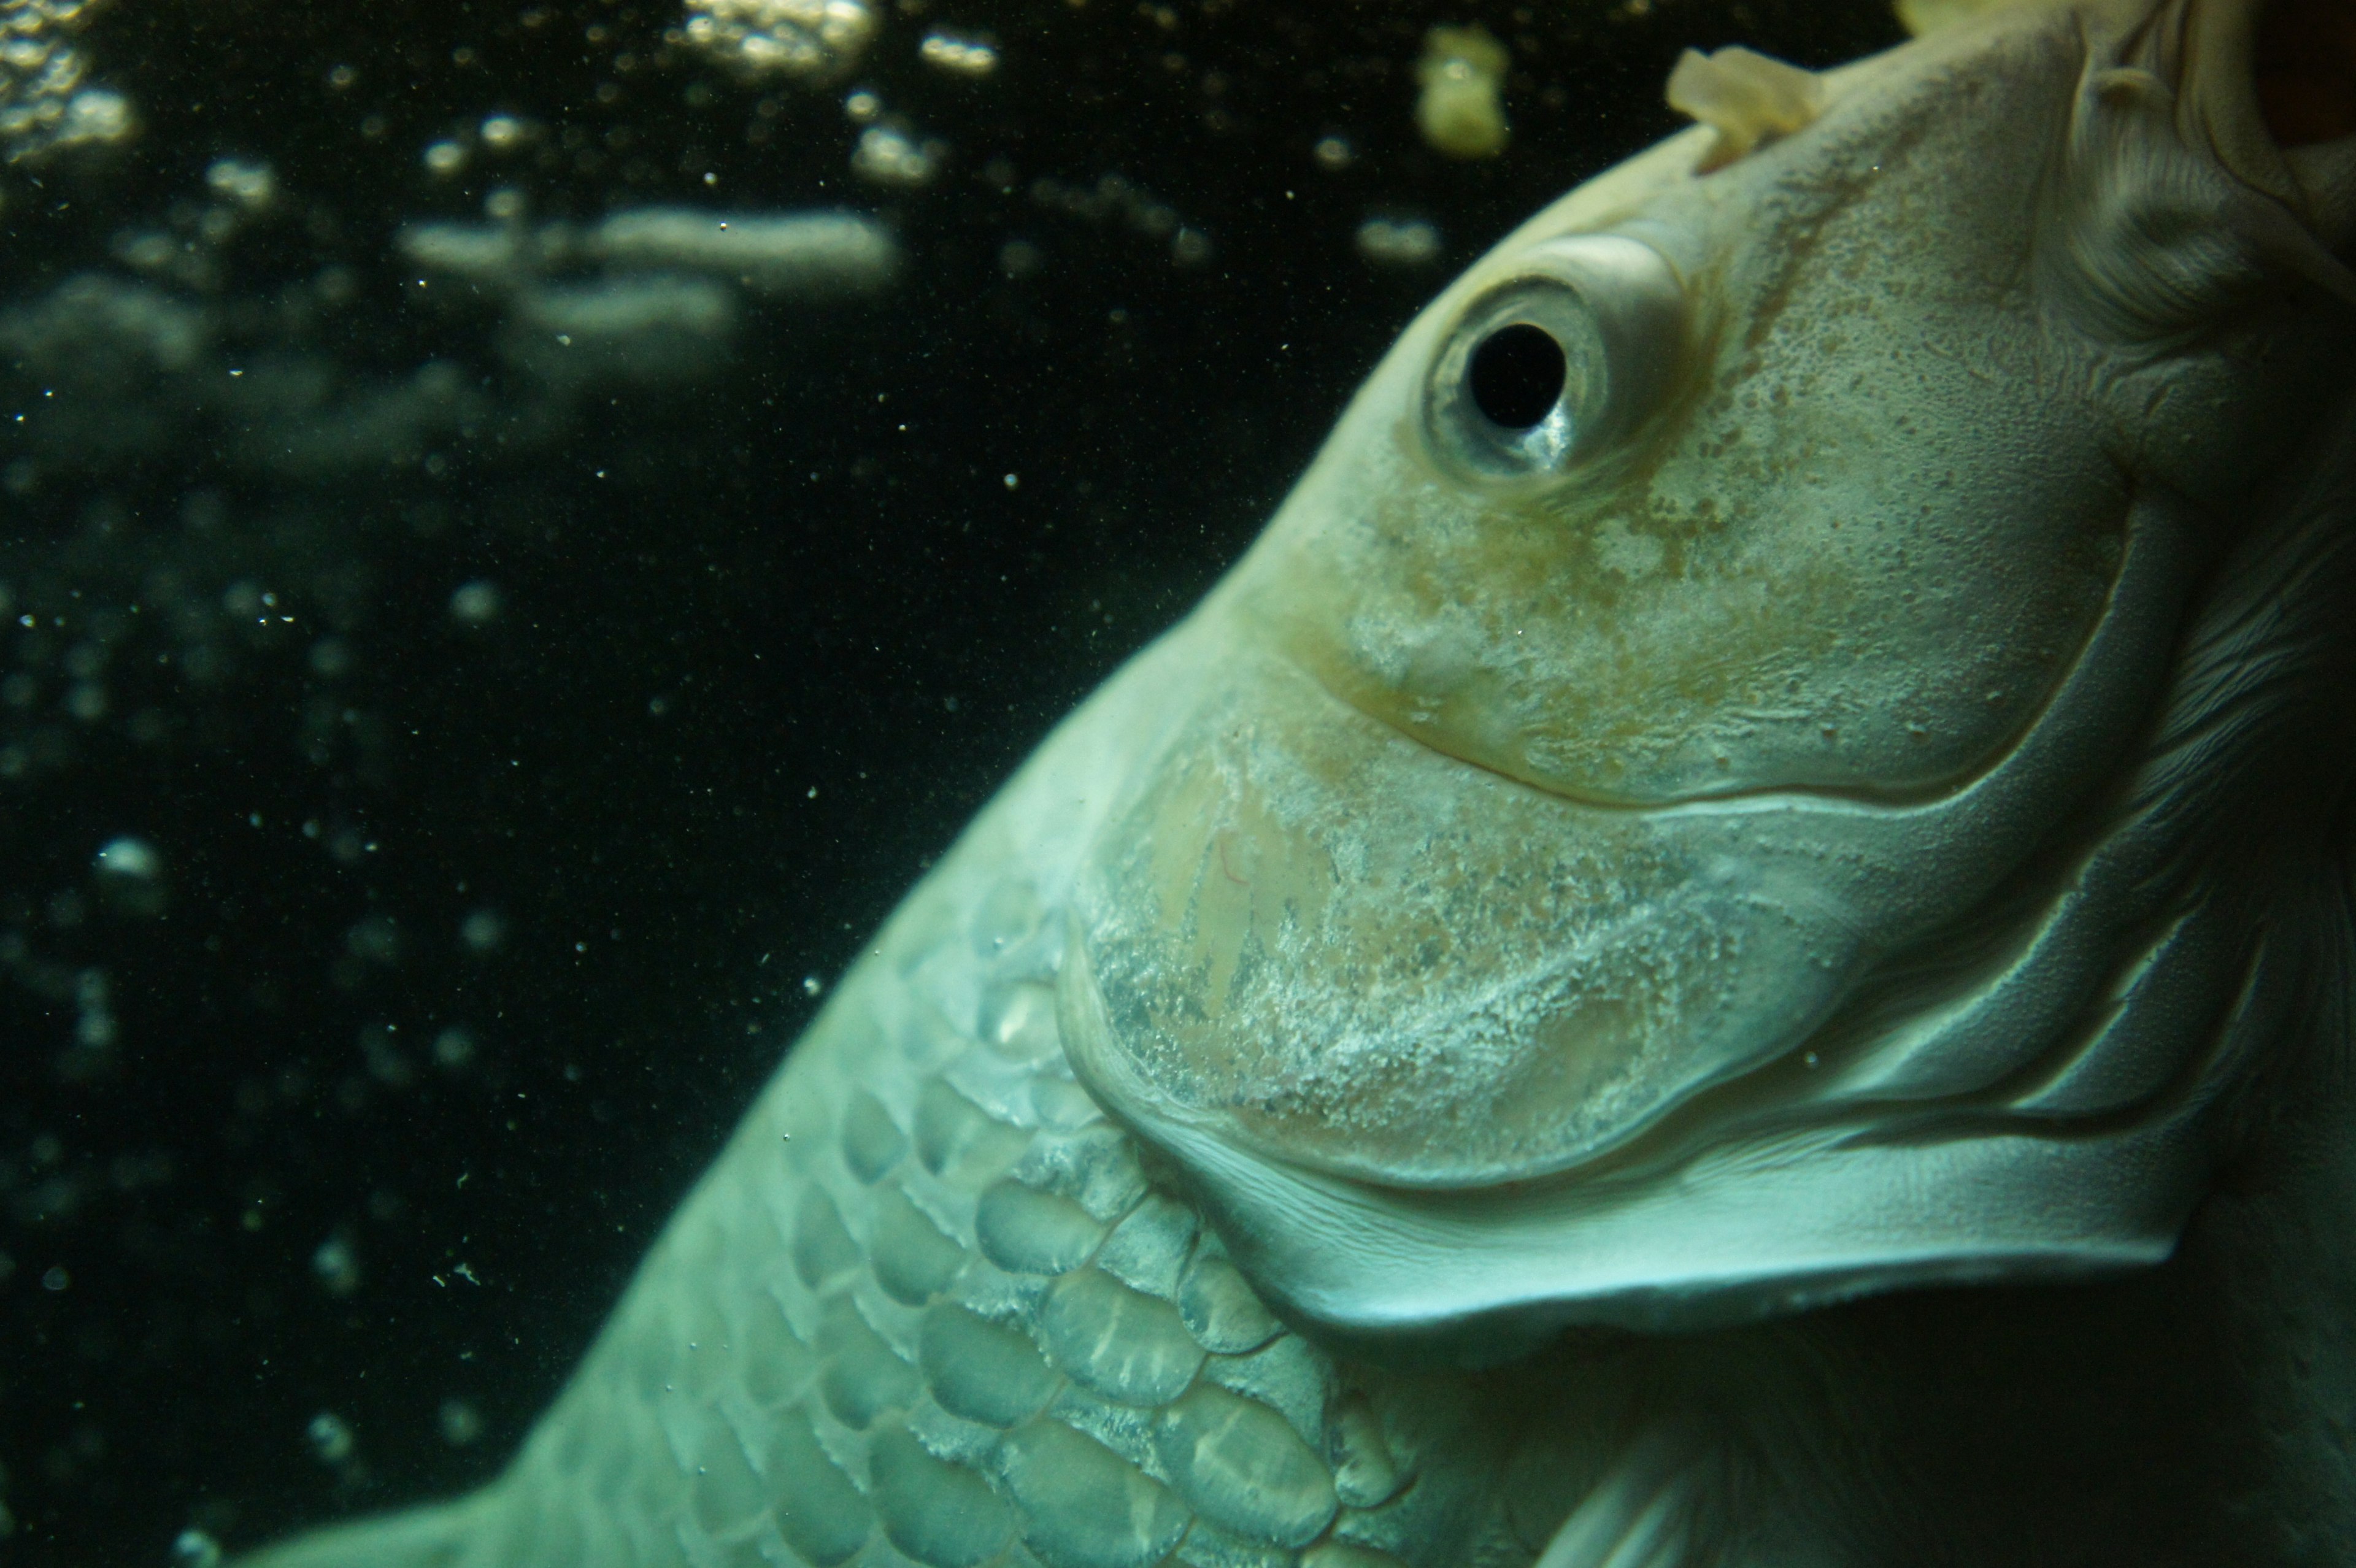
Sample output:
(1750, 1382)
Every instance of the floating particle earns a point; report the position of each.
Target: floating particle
(331, 1437)
(483, 931)
(462, 1423)
(1190, 247)
(1459, 111)
(337, 1266)
(56, 1279)
(1334, 152)
(861, 107)
(1020, 258)
(476, 603)
(890, 157)
(133, 859)
(452, 1049)
(248, 182)
(812, 984)
(195, 1549)
(504, 132)
(1399, 242)
(773, 253)
(807, 38)
(957, 55)
(445, 157)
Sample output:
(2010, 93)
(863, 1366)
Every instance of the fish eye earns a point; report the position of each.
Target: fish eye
(1516, 375)
(1546, 370)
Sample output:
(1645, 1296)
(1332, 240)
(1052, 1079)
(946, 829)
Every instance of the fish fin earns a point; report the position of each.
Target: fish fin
(1924, 17)
(433, 1537)
(1747, 98)
(1650, 1510)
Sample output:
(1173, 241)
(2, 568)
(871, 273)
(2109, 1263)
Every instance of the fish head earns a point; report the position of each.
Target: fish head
(1654, 830)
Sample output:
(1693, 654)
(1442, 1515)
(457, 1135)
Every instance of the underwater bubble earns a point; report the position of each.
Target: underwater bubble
(1334, 152)
(1399, 242)
(888, 156)
(957, 55)
(775, 254)
(56, 1279)
(813, 38)
(503, 133)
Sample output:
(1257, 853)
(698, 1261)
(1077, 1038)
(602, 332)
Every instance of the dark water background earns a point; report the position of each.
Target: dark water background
(767, 635)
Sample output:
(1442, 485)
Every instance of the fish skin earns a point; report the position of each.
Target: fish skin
(933, 1306)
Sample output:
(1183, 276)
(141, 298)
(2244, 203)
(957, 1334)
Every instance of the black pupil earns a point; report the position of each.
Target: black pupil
(1516, 375)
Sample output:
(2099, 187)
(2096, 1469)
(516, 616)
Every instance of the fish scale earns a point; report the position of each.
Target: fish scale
(929, 1310)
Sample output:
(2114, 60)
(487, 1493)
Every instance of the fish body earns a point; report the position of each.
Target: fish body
(1789, 749)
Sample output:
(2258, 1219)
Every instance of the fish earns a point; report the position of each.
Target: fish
(1728, 944)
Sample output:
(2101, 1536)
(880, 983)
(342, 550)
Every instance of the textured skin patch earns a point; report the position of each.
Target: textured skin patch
(819, 1512)
(1130, 1348)
(823, 1250)
(1240, 1465)
(913, 1260)
(864, 1377)
(1018, 1021)
(943, 1515)
(1367, 1477)
(1346, 1555)
(957, 1140)
(1084, 1506)
(873, 1142)
(1221, 1310)
(1025, 1232)
(728, 1495)
(1095, 1168)
(983, 1371)
(1147, 1249)
(784, 1368)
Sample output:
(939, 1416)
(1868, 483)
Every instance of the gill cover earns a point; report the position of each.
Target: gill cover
(1732, 820)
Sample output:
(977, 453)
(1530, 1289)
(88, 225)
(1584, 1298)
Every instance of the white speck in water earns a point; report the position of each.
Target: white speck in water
(445, 157)
(462, 1423)
(337, 1266)
(331, 1437)
(812, 984)
(483, 931)
(195, 1549)
(131, 857)
(476, 603)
